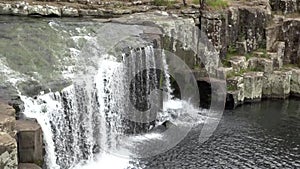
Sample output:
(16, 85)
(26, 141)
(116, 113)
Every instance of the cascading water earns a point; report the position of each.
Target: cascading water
(86, 118)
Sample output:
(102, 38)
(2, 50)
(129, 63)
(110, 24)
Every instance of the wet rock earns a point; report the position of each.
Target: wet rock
(253, 82)
(28, 166)
(295, 82)
(277, 84)
(30, 144)
(8, 152)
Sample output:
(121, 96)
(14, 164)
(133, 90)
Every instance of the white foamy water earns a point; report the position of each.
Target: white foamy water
(105, 161)
(83, 124)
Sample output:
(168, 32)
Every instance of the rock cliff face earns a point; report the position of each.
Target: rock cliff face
(20, 140)
(285, 6)
(8, 145)
(259, 51)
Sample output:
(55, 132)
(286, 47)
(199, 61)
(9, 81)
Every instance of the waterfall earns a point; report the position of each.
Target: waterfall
(86, 118)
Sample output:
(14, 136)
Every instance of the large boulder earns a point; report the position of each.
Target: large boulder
(30, 143)
(8, 152)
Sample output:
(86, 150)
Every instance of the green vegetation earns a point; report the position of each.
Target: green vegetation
(239, 73)
(264, 51)
(195, 1)
(248, 55)
(214, 4)
(217, 4)
(231, 87)
(231, 51)
(163, 2)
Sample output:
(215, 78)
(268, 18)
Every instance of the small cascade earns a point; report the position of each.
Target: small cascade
(89, 117)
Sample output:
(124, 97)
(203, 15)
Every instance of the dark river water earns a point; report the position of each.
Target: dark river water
(260, 135)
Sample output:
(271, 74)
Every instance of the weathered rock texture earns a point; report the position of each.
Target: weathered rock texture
(285, 6)
(241, 26)
(8, 152)
(30, 143)
(7, 119)
(284, 38)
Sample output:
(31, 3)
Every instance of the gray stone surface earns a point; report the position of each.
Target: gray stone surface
(253, 83)
(30, 141)
(277, 84)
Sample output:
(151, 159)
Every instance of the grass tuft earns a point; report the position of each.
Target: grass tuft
(217, 4)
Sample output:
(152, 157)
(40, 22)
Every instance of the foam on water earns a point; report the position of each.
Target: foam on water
(106, 161)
